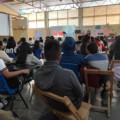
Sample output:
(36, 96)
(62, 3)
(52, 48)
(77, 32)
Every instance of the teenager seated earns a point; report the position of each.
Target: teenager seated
(83, 47)
(98, 60)
(30, 41)
(4, 42)
(103, 39)
(69, 55)
(26, 56)
(41, 43)
(3, 55)
(79, 40)
(11, 46)
(51, 77)
(36, 46)
(99, 44)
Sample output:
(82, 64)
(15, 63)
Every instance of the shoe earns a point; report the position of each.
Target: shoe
(5, 102)
(1, 105)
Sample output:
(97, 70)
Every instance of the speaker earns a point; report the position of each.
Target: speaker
(77, 31)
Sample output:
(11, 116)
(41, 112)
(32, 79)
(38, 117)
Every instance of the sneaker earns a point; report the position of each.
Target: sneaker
(1, 105)
(5, 102)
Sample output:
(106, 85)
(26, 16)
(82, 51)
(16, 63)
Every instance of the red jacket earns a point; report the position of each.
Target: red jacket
(99, 44)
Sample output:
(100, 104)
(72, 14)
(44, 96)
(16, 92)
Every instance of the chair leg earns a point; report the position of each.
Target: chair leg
(89, 97)
(31, 96)
(23, 100)
(108, 104)
(12, 103)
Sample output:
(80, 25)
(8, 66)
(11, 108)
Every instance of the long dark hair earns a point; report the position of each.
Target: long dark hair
(36, 45)
(11, 42)
(24, 51)
(84, 43)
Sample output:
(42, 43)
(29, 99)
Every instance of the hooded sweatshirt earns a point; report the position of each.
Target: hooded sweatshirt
(62, 82)
(68, 56)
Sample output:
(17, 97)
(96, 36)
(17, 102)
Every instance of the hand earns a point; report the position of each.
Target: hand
(26, 71)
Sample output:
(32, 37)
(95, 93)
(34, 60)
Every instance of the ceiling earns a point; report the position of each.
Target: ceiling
(28, 6)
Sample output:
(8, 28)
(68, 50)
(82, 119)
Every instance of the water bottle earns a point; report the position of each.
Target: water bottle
(100, 49)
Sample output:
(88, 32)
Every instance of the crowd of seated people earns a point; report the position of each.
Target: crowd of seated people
(51, 76)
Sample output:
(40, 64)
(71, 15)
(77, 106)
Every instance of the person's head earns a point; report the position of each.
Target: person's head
(40, 39)
(59, 39)
(101, 38)
(52, 38)
(92, 48)
(92, 39)
(24, 51)
(52, 50)
(64, 32)
(105, 38)
(69, 44)
(1, 45)
(11, 42)
(36, 45)
(97, 39)
(23, 39)
(86, 39)
(30, 39)
(80, 38)
(5, 40)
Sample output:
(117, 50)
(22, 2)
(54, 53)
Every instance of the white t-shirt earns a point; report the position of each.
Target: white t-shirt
(2, 65)
(30, 42)
(116, 68)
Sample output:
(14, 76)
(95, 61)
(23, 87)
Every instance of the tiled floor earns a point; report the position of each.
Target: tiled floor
(37, 108)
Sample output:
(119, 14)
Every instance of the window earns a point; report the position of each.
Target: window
(62, 22)
(52, 23)
(32, 24)
(40, 24)
(32, 17)
(87, 21)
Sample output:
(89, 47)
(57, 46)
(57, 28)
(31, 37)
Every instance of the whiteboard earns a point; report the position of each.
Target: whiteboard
(70, 30)
(4, 25)
(38, 34)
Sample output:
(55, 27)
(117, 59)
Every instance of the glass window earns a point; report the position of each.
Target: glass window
(52, 23)
(53, 15)
(100, 20)
(32, 16)
(25, 15)
(40, 16)
(40, 24)
(62, 14)
(114, 9)
(88, 21)
(113, 19)
(62, 22)
(88, 11)
(100, 10)
(73, 22)
(73, 13)
(32, 24)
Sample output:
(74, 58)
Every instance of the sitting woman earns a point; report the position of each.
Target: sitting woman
(36, 46)
(3, 55)
(11, 46)
(85, 42)
(25, 55)
(5, 42)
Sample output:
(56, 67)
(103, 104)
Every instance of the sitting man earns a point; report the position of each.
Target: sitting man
(30, 41)
(53, 78)
(97, 60)
(69, 56)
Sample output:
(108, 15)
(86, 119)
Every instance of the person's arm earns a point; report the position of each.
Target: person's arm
(103, 47)
(77, 88)
(8, 74)
(6, 57)
(36, 60)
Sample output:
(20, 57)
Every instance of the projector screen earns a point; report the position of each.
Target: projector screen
(4, 24)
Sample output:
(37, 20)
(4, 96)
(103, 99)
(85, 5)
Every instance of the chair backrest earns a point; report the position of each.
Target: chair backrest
(101, 72)
(4, 86)
(65, 100)
(11, 55)
(73, 67)
(37, 53)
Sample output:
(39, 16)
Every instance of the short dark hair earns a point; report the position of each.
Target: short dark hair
(80, 37)
(97, 39)
(59, 39)
(30, 38)
(52, 38)
(92, 48)
(52, 50)
(1, 43)
(5, 40)
(23, 39)
(64, 32)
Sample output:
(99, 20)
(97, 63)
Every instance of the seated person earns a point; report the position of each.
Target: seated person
(41, 43)
(5, 42)
(97, 60)
(10, 76)
(36, 46)
(69, 56)
(8, 115)
(79, 40)
(26, 56)
(30, 41)
(83, 47)
(11, 46)
(99, 44)
(3, 55)
(51, 77)
(60, 40)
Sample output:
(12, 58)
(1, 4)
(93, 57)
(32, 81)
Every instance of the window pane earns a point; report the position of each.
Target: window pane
(62, 14)
(40, 16)
(53, 15)
(73, 13)
(114, 9)
(25, 15)
(100, 10)
(88, 21)
(100, 20)
(113, 19)
(32, 24)
(32, 16)
(88, 11)
(40, 24)
(73, 22)
(52, 23)
(62, 22)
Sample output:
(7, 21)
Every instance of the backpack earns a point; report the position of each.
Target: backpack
(93, 79)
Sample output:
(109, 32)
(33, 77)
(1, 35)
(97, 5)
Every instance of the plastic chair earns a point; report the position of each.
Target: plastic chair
(37, 53)
(4, 88)
(11, 55)
(73, 67)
